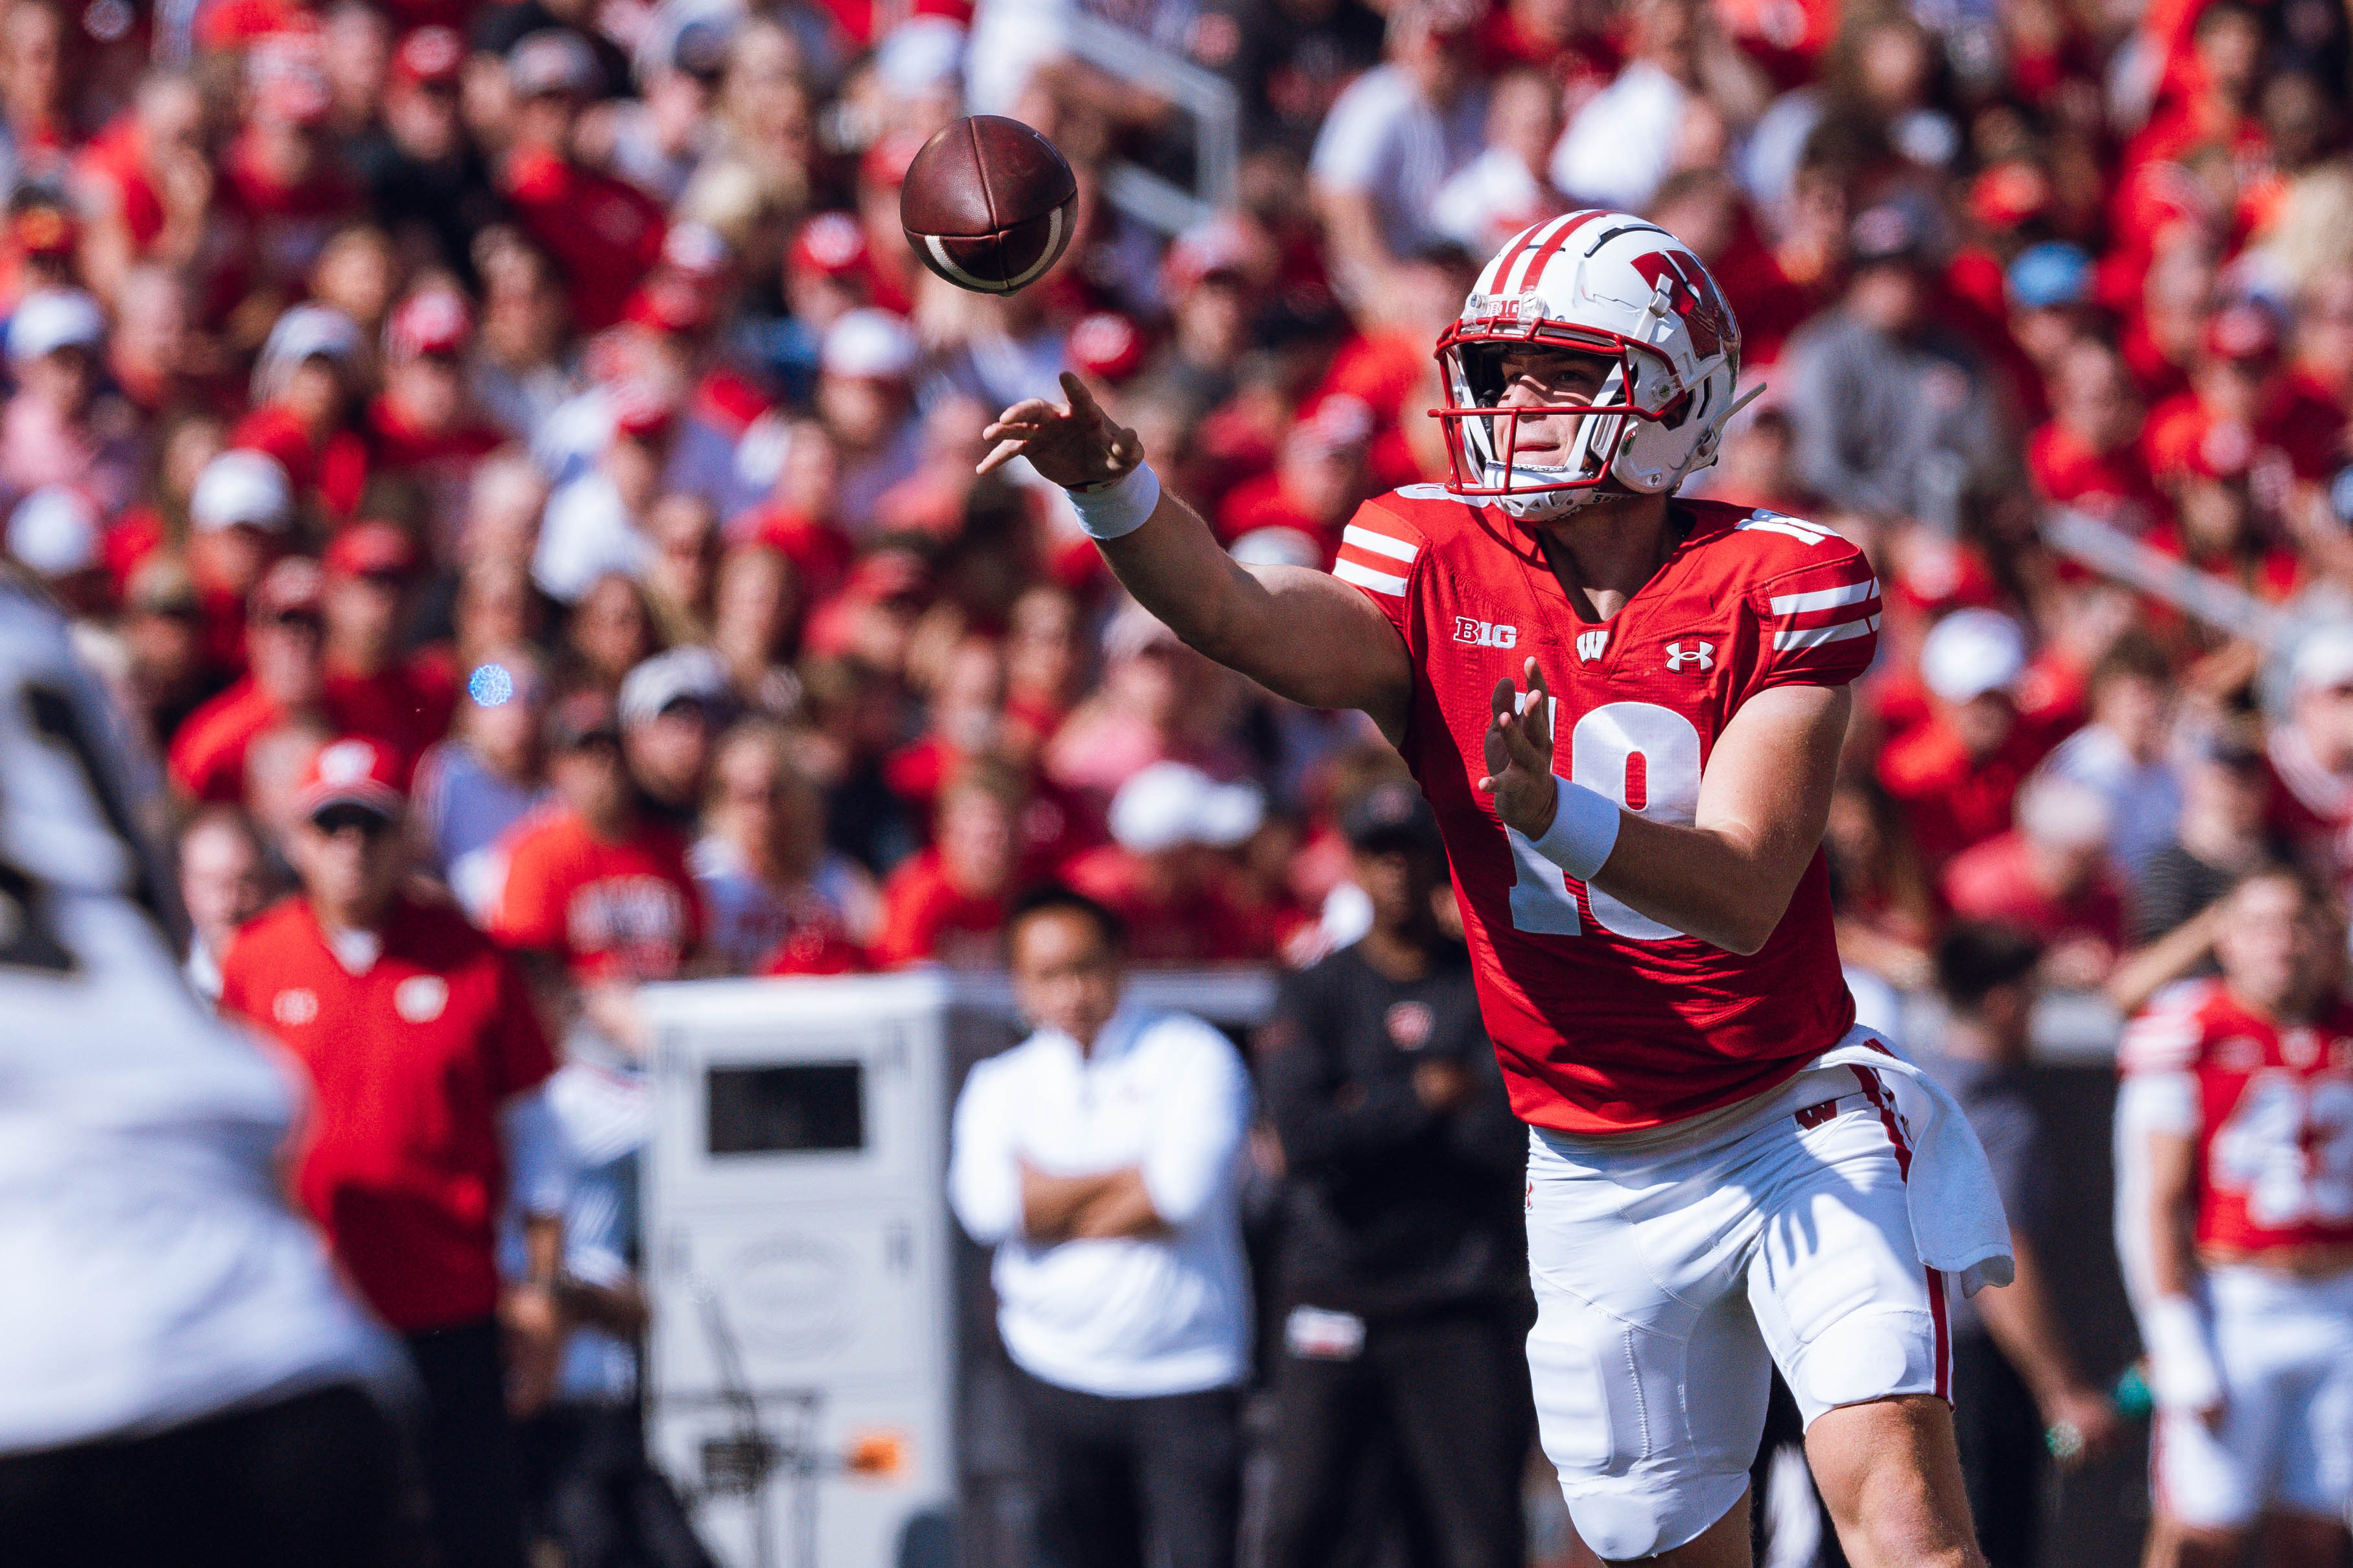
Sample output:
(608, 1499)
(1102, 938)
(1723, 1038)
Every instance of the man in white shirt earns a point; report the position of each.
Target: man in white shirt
(1101, 1158)
(1391, 142)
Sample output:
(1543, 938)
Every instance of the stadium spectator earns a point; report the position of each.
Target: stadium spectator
(2120, 754)
(426, 1065)
(2015, 1377)
(947, 904)
(1391, 141)
(1957, 774)
(2049, 876)
(1099, 1158)
(224, 881)
(56, 430)
(1169, 871)
(604, 233)
(596, 895)
(1896, 413)
(489, 774)
(371, 684)
(671, 706)
(286, 680)
(1402, 1268)
(2311, 752)
(780, 902)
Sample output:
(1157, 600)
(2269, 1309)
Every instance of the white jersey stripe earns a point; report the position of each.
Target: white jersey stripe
(1378, 543)
(1365, 577)
(1803, 532)
(1826, 598)
(1815, 637)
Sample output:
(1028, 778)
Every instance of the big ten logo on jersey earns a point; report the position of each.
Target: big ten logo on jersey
(1645, 757)
(1484, 634)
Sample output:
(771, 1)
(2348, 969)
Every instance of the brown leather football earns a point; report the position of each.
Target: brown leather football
(989, 204)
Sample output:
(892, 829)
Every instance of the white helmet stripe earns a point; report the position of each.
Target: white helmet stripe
(1556, 240)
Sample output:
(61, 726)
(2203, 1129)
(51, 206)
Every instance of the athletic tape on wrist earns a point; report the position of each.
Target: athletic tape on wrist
(1119, 508)
(1584, 829)
(2182, 1373)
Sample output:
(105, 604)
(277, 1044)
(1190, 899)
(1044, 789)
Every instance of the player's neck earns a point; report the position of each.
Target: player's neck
(1604, 553)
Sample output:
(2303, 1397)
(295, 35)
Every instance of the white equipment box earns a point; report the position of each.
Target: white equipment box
(802, 1368)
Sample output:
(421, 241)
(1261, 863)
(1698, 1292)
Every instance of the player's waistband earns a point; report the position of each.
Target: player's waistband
(1810, 1096)
(2326, 1265)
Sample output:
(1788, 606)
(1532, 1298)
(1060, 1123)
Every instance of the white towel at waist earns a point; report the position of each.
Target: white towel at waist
(1957, 1218)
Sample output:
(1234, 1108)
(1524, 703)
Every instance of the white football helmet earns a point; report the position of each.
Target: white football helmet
(1612, 285)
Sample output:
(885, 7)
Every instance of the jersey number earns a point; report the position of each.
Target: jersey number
(1644, 757)
(2288, 1148)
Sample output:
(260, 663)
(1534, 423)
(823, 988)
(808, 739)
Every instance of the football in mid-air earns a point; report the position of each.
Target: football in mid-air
(989, 204)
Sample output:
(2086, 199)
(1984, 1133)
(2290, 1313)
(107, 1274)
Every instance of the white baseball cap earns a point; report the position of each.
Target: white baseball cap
(2324, 660)
(1972, 652)
(48, 319)
(868, 345)
(242, 487)
(1169, 803)
(2064, 813)
(683, 673)
(54, 531)
(1276, 545)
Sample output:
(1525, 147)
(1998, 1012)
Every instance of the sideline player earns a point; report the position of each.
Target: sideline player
(2236, 1128)
(181, 1379)
(1718, 1173)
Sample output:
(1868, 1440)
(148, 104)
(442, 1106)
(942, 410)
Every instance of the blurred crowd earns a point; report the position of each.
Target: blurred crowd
(545, 393)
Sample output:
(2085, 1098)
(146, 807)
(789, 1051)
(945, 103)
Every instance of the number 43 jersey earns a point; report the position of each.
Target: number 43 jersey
(2272, 1110)
(1605, 1020)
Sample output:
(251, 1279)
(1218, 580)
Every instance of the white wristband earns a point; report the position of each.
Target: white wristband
(2181, 1371)
(1121, 507)
(1584, 829)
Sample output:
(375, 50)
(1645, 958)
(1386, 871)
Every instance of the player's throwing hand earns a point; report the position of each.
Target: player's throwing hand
(1074, 444)
(1519, 755)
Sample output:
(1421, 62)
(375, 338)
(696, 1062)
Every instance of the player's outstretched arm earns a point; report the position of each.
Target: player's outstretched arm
(1764, 801)
(1296, 632)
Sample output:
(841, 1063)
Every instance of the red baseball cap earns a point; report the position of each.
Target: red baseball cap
(669, 302)
(2223, 449)
(353, 770)
(640, 408)
(831, 243)
(1105, 346)
(430, 321)
(371, 550)
(429, 56)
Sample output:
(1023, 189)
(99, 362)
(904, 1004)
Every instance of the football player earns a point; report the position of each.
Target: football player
(182, 1378)
(1626, 710)
(2235, 1219)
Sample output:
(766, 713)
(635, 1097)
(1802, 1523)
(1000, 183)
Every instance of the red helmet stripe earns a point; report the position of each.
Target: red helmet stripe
(1529, 264)
(1529, 239)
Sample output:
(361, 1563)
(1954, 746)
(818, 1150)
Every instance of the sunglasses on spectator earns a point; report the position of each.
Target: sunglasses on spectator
(334, 820)
(297, 620)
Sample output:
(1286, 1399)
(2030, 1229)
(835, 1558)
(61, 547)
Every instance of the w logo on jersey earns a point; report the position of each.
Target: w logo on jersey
(1590, 644)
(1701, 654)
(1693, 295)
(1484, 634)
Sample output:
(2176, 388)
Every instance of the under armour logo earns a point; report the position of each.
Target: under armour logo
(1701, 654)
(1590, 644)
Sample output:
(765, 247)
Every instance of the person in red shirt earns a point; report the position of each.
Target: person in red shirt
(371, 688)
(947, 904)
(597, 894)
(2237, 380)
(425, 422)
(2047, 876)
(1168, 873)
(282, 181)
(426, 1065)
(605, 233)
(2088, 454)
(286, 680)
(1957, 775)
(305, 391)
(1319, 479)
(240, 515)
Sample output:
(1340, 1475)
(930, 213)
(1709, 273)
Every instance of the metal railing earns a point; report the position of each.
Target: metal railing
(1148, 197)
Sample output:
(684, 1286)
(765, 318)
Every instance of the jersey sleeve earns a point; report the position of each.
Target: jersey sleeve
(1378, 553)
(1819, 623)
(529, 912)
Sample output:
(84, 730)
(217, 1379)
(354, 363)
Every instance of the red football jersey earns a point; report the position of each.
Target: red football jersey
(2274, 1109)
(1605, 1020)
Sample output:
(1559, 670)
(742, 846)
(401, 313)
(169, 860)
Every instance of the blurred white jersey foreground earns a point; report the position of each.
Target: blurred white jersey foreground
(151, 1271)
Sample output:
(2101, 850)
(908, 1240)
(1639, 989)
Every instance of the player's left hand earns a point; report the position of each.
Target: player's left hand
(1519, 755)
